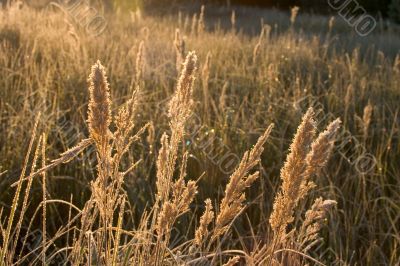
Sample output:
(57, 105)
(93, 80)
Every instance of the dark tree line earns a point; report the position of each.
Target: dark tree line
(385, 8)
(319, 6)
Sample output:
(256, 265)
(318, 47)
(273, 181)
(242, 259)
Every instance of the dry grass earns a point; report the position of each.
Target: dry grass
(147, 186)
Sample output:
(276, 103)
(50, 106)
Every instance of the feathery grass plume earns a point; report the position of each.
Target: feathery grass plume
(367, 115)
(201, 24)
(150, 136)
(163, 169)
(140, 63)
(313, 222)
(293, 14)
(180, 107)
(205, 220)
(266, 32)
(331, 23)
(193, 29)
(167, 215)
(123, 137)
(179, 111)
(232, 203)
(106, 189)
(319, 155)
(99, 117)
(222, 97)
(182, 192)
(257, 48)
(181, 103)
(182, 195)
(125, 122)
(205, 73)
(233, 21)
(99, 114)
(300, 165)
(321, 149)
(348, 97)
(291, 174)
(232, 261)
(396, 64)
(205, 77)
(179, 45)
(256, 52)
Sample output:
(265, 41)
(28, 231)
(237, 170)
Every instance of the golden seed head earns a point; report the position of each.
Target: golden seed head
(99, 116)
(181, 103)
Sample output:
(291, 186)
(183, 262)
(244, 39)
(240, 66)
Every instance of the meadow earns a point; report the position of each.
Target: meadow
(209, 136)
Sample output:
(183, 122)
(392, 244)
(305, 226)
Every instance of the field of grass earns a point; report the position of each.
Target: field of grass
(245, 139)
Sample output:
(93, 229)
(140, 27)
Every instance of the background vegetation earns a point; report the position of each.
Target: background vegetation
(45, 59)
